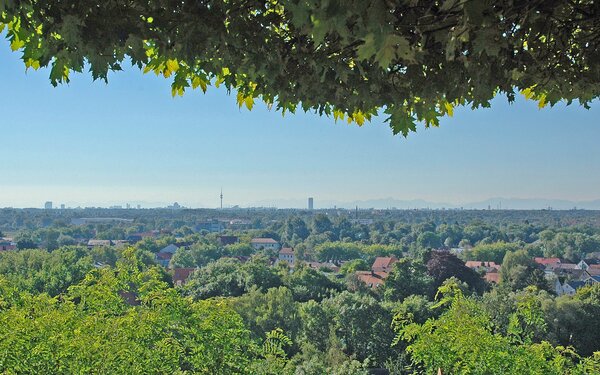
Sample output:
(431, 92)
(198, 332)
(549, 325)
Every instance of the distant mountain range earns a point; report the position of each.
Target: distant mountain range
(493, 203)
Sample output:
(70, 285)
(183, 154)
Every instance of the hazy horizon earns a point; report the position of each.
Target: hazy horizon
(129, 141)
(380, 203)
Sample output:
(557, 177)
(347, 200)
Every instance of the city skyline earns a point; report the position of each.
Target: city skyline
(385, 203)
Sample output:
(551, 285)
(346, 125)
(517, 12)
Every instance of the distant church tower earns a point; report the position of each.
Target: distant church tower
(221, 198)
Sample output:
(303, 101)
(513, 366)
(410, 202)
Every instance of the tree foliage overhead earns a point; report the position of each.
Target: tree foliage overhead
(415, 60)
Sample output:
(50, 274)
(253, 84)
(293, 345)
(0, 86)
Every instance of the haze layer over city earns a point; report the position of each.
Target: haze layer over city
(94, 144)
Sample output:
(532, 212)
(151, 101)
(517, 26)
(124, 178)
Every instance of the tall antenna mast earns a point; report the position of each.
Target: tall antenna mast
(221, 198)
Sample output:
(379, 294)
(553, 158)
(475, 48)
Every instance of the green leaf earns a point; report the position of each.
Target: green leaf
(320, 29)
(394, 46)
(401, 121)
(367, 49)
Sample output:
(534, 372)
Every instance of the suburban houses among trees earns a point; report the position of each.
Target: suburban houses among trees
(326, 291)
(317, 284)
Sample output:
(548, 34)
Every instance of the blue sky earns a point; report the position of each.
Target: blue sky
(88, 143)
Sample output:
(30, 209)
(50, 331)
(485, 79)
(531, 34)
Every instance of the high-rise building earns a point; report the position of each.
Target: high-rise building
(48, 205)
(62, 206)
(310, 203)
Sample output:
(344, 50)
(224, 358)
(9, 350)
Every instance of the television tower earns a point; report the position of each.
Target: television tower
(221, 198)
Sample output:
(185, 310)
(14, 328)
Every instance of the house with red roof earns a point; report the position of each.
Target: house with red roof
(383, 264)
(546, 261)
(372, 279)
(492, 276)
(379, 271)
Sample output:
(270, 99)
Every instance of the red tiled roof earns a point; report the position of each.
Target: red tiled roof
(593, 271)
(545, 261)
(492, 277)
(380, 274)
(383, 263)
(370, 280)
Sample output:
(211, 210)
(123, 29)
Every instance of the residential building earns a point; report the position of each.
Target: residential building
(7, 245)
(492, 276)
(264, 243)
(213, 226)
(372, 279)
(383, 264)
(546, 261)
(287, 254)
(171, 249)
(570, 287)
(181, 275)
(478, 265)
(240, 224)
(568, 270)
(585, 264)
(163, 257)
(490, 269)
(379, 271)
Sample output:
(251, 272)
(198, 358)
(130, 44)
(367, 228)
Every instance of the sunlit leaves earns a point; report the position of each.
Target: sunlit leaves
(198, 81)
(242, 99)
(528, 93)
(417, 60)
(124, 320)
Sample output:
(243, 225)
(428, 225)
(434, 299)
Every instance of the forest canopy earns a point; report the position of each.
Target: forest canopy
(414, 61)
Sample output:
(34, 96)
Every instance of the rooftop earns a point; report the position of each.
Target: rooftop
(286, 250)
(263, 240)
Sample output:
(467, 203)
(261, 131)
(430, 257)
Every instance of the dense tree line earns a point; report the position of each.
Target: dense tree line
(264, 318)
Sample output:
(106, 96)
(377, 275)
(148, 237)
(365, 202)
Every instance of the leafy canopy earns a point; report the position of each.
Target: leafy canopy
(414, 60)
